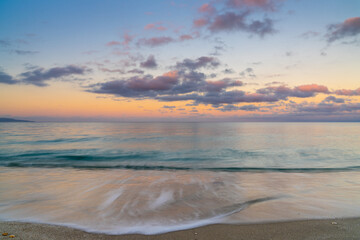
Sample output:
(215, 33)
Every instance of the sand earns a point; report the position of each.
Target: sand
(343, 229)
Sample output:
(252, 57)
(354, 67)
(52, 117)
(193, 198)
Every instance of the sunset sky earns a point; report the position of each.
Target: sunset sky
(220, 60)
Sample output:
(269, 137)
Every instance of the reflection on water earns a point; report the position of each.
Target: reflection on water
(123, 201)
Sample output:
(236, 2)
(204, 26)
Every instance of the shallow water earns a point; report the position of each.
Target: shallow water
(157, 177)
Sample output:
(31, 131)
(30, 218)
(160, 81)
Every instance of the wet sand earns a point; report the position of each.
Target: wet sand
(344, 229)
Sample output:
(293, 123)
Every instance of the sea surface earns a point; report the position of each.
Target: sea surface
(150, 178)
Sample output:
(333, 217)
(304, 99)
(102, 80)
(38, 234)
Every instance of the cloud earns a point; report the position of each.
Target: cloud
(217, 86)
(39, 76)
(228, 71)
(200, 22)
(168, 107)
(349, 28)
(231, 21)
(185, 37)
(248, 73)
(112, 70)
(155, 26)
(334, 99)
(149, 63)
(207, 8)
(155, 41)
(7, 79)
(268, 5)
(201, 62)
(135, 70)
(309, 34)
(187, 84)
(113, 43)
(347, 92)
(329, 108)
(23, 52)
(312, 88)
(127, 39)
(138, 86)
(4, 43)
(236, 15)
(283, 92)
(231, 107)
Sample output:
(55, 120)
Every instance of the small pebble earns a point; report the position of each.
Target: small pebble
(5, 234)
(334, 223)
(11, 236)
(195, 233)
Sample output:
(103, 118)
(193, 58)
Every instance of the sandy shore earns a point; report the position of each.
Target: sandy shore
(311, 229)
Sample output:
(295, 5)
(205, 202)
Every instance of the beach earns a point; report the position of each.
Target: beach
(169, 179)
(345, 229)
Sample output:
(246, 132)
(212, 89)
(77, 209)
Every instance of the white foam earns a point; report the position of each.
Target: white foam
(164, 197)
(112, 196)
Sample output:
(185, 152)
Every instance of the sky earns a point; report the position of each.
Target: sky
(190, 60)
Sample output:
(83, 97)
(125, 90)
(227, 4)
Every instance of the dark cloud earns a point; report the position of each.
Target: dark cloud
(289, 54)
(138, 86)
(334, 99)
(218, 50)
(228, 71)
(303, 91)
(186, 84)
(350, 27)
(230, 107)
(172, 86)
(348, 92)
(39, 76)
(168, 107)
(329, 108)
(231, 21)
(4, 43)
(201, 62)
(237, 15)
(248, 73)
(149, 63)
(309, 34)
(217, 98)
(135, 70)
(7, 79)
(268, 5)
(111, 70)
(155, 41)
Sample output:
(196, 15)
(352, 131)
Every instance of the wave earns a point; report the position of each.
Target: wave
(179, 168)
(152, 227)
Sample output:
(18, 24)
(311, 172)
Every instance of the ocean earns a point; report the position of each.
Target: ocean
(151, 178)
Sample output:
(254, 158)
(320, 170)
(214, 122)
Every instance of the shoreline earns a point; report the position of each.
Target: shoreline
(341, 228)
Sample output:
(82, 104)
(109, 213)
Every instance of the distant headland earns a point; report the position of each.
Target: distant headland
(13, 120)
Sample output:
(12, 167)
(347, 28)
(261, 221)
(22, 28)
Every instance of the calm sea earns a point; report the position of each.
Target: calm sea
(150, 178)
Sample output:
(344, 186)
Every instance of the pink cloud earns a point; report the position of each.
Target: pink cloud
(155, 41)
(185, 37)
(313, 88)
(264, 4)
(206, 8)
(155, 26)
(113, 43)
(348, 92)
(349, 28)
(127, 39)
(200, 22)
